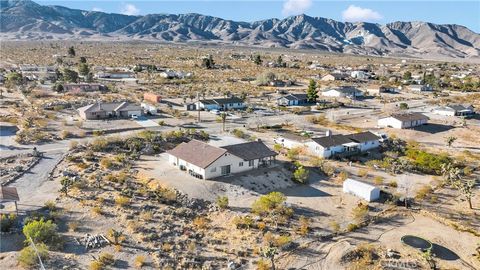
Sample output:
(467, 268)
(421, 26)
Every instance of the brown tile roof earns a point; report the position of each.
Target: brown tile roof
(197, 153)
(9, 194)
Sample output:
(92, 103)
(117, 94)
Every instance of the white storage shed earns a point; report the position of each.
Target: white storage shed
(362, 190)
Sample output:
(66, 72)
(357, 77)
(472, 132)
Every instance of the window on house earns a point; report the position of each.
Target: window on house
(250, 163)
(214, 169)
(240, 164)
(328, 148)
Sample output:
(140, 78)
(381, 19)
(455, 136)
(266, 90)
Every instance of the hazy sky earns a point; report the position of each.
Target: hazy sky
(465, 13)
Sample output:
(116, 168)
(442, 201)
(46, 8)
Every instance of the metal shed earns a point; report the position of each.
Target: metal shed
(363, 190)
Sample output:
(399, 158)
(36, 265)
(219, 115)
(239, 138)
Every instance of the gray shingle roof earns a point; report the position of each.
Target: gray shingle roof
(410, 116)
(250, 150)
(339, 139)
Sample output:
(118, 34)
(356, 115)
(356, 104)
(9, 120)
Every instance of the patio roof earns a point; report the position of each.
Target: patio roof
(8, 194)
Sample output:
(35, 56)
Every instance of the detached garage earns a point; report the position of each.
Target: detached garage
(362, 190)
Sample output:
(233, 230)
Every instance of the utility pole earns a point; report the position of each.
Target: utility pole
(198, 106)
(36, 252)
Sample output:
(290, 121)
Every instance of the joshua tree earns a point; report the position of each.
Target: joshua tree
(223, 115)
(466, 188)
(269, 252)
(451, 140)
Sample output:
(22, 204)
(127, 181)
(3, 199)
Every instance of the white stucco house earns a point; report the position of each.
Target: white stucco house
(292, 100)
(405, 120)
(359, 74)
(343, 145)
(455, 110)
(205, 161)
(420, 87)
(231, 103)
(360, 189)
(344, 91)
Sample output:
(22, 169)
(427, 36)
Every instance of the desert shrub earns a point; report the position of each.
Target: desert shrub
(106, 259)
(293, 153)
(146, 215)
(200, 222)
(107, 163)
(334, 226)
(243, 222)
(423, 192)
(342, 176)
(222, 202)
(97, 210)
(99, 144)
(7, 222)
(360, 212)
(304, 227)
(282, 240)
(239, 133)
(427, 162)
(352, 227)
(41, 231)
(267, 203)
(378, 180)
(50, 205)
(139, 261)
(121, 201)
(393, 184)
(73, 226)
(167, 247)
(261, 226)
(73, 144)
(65, 134)
(28, 257)
(362, 173)
(263, 265)
(96, 265)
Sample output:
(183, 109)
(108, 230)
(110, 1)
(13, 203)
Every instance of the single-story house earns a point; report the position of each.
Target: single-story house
(292, 100)
(360, 189)
(420, 87)
(291, 140)
(343, 145)
(455, 110)
(405, 120)
(359, 74)
(205, 161)
(115, 75)
(106, 110)
(334, 77)
(344, 91)
(221, 104)
(83, 87)
(375, 89)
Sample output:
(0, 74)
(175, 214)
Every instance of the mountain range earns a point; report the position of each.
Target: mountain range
(27, 20)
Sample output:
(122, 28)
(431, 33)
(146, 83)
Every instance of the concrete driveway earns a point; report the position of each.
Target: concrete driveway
(145, 122)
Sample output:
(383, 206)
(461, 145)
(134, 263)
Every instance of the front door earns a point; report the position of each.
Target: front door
(225, 170)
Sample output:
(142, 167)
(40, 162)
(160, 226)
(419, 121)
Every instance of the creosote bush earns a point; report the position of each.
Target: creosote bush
(28, 257)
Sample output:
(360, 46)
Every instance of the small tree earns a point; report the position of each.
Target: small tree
(208, 62)
(257, 59)
(66, 183)
(70, 75)
(83, 69)
(312, 93)
(83, 59)
(301, 175)
(41, 231)
(71, 51)
(407, 75)
(403, 106)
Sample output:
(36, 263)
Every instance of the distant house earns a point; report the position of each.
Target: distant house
(420, 87)
(292, 100)
(117, 75)
(375, 89)
(405, 120)
(455, 110)
(343, 145)
(106, 110)
(230, 103)
(151, 103)
(172, 74)
(206, 161)
(34, 72)
(344, 91)
(360, 189)
(359, 74)
(334, 77)
(83, 87)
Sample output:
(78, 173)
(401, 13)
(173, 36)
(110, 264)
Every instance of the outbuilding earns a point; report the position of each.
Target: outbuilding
(360, 189)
